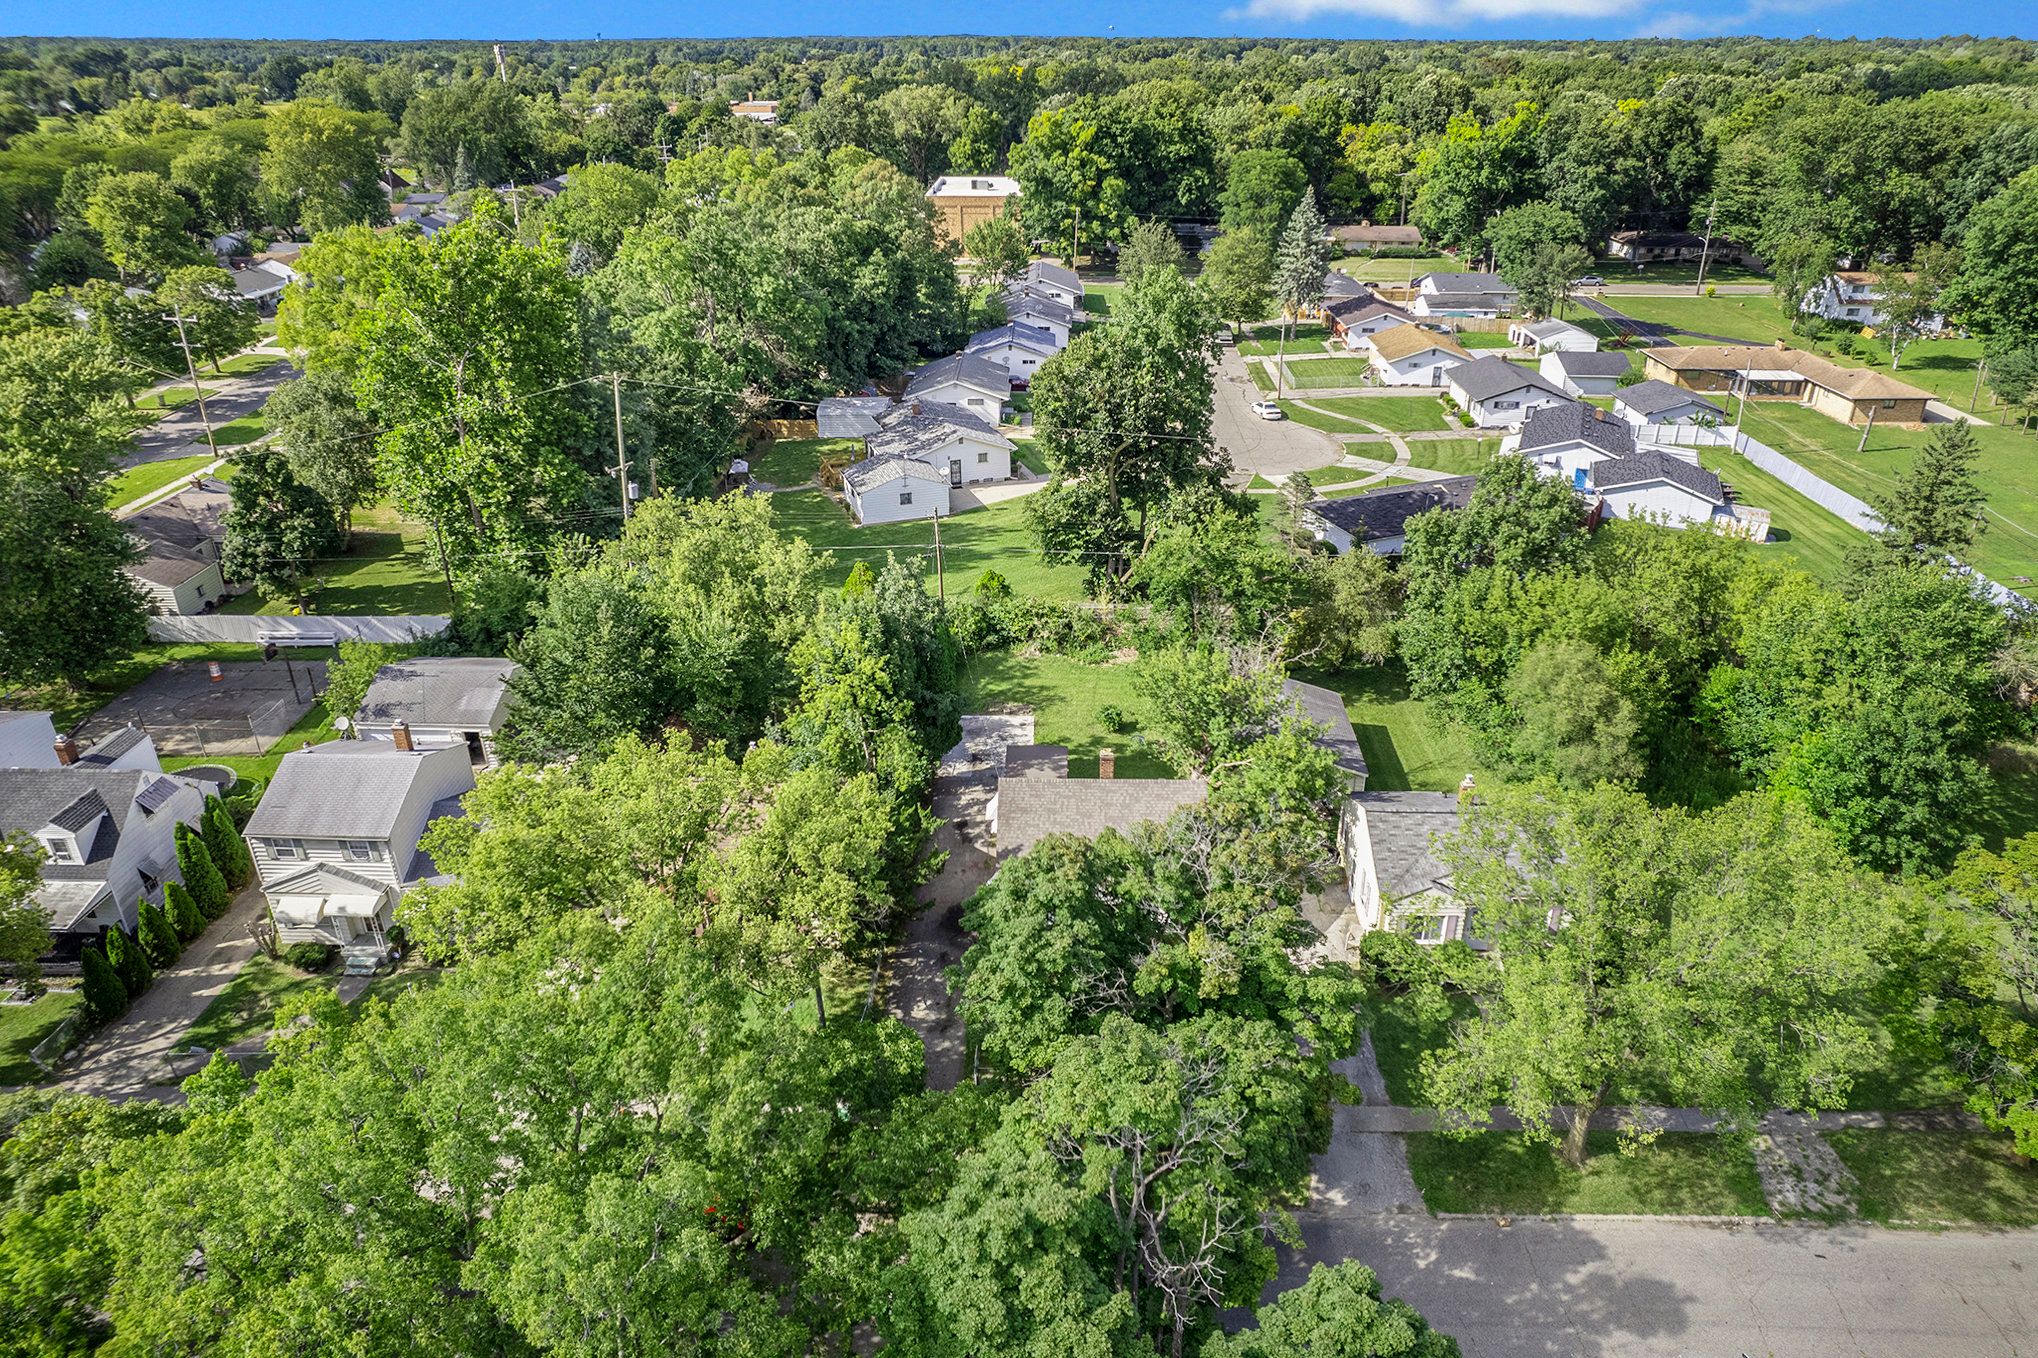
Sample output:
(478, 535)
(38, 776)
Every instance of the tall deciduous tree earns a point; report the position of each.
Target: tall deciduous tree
(218, 321)
(1997, 290)
(220, 174)
(322, 166)
(1262, 190)
(24, 924)
(280, 533)
(144, 224)
(1911, 299)
(1068, 192)
(1238, 275)
(1336, 1312)
(327, 439)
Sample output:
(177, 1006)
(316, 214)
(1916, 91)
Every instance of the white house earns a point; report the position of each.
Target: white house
(1550, 336)
(1462, 294)
(1378, 519)
(975, 382)
(1391, 846)
(1584, 372)
(261, 284)
(1496, 393)
(1356, 319)
(1656, 485)
(108, 836)
(1854, 297)
(1051, 280)
(1020, 347)
(1567, 439)
(1409, 356)
(1659, 402)
(1041, 312)
(920, 453)
(335, 839)
(180, 538)
(439, 701)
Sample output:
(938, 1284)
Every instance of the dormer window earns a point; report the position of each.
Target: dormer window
(60, 850)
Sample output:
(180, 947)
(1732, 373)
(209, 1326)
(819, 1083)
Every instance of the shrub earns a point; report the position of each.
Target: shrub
(183, 911)
(130, 962)
(201, 874)
(223, 842)
(976, 626)
(1392, 960)
(158, 937)
(105, 996)
(1114, 718)
(309, 956)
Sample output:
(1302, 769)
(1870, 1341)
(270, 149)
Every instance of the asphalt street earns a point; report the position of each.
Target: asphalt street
(1268, 447)
(180, 433)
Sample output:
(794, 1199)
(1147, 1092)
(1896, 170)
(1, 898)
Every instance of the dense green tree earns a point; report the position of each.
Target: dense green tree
(321, 169)
(1206, 704)
(223, 841)
(1150, 245)
(1912, 299)
(280, 533)
(327, 440)
(996, 249)
(158, 938)
(1996, 293)
(1301, 259)
(978, 143)
(1575, 725)
(1346, 603)
(342, 274)
(1336, 1312)
(1262, 190)
(1473, 172)
(183, 911)
(143, 223)
(24, 924)
(599, 204)
(1068, 193)
(597, 665)
(1539, 248)
(1210, 563)
(220, 175)
(106, 997)
(201, 875)
(1238, 275)
(130, 962)
(218, 321)
(469, 134)
(1937, 505)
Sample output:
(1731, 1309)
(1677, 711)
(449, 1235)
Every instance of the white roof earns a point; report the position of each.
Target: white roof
(973, 186)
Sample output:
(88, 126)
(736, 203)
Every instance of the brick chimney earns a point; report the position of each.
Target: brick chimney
(1782, 346)
(67, 751)
(1107, 763)
(401, 732)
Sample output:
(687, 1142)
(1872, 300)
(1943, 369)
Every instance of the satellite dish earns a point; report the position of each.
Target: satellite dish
(343, 724)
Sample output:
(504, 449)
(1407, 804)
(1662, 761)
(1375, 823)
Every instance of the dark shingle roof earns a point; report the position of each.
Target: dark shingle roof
(1012, 332)
(114, 746)
(970, 370)
(1385, 513)
(1576, 422)
(87, 807)
(1336, 284)
(1647, 464)
(1463, 301)
(1326, 708)
(1591, 362)
(460, 692)
(1655, 396)
(1487, 284)
(1405, 828)
(1491, 376)
(1032, 806)
(1354, 310)
(1046, 271)
(193, 517)
(849, 417)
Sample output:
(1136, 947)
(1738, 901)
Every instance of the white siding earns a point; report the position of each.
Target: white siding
(1425, 369)
(1662, 501)
(1510, 407)
(976, 401)
(882, 503)
(1039, 321)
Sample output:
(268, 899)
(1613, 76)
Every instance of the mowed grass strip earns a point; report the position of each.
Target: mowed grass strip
(1677, 1174)
(1939, 1178)
(996, 538)
(22, 1026)
(796, 462)
(128, 486)
(1407, 748)
(1328, 372)
(1068, 697)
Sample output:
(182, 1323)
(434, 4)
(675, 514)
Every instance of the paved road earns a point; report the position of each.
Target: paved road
(1269, 448)
(1610, 1287)
(181, 433)
(125, 1061)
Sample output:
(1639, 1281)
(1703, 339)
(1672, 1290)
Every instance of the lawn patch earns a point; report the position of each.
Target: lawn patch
(1329, 372)
(2010, 806)
(1402, 1032)
(1459, 457)
(1407, 749)
(796, 462)
(1934, 1178)
(1370, 269)
(1680, 1174)
(1484, 339)
(170, 398)
(1066, 696)
(1302, 339)
(996, 538)
(247, 1007)
(1754, 319)
(389, 567)
(24, 1025)
(128, 486)
(1099, 297)
(1810, 534)
(234, 433)
(1402, 414)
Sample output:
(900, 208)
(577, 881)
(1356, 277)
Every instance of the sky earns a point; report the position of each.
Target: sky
(1438, 19)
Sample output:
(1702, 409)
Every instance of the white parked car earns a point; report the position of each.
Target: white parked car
(1591, 280)
(1269, 410)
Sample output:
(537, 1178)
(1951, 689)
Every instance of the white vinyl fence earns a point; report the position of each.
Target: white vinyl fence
(295, 631)
(1813, 487)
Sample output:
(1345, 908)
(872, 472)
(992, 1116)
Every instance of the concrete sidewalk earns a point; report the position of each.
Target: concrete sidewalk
(1392, 1118)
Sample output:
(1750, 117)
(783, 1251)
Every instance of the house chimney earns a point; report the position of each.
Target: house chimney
(1107, 763)
(916, 407)
(1781, 345)
(401, 733)
(67, 751)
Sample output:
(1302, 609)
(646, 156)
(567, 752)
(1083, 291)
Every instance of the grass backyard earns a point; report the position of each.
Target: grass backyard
(1934, 1178)
(1303, 339)
(1503, 1172)
(1352, 414)
(1066, 696)
(1483, 339)
(982, 539)
(1407, 750)
(1755, 319)
(1319, 477)
(1370, 269)
(1098, 297)
(1812, 536)
(796, 462)
(1459, 457)
(389, 567)
(22, 1026)
(1329, 372)
(131, 485)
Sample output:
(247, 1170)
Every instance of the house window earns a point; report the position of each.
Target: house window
(362, 851)
(983, 457)
(1507, 405)
(905, 497)
(287, 850)
(1427, 928)
(60, 850)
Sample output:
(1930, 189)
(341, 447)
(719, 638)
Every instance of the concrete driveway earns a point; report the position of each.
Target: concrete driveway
(1269, 448)
(1615, 1287)
(181, 433)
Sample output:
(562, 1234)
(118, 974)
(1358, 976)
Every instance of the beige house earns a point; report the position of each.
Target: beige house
(960, 201)
(1849, 395)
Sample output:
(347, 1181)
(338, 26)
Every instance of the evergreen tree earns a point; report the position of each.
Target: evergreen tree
(105, 997)
(183, 911)
(1937, 505)
(224, 843)
(158, 938)
(201, 875)
(130, 962)
(1302, 259)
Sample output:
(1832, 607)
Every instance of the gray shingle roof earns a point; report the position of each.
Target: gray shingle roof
(461, 692)
(1576, 422)
(908, 435)
(1326, 708)
(967, 369)
(1464, 301)
(87, 807)
(849, 417)
(1655, 396)
(1484, 378)
(193, 517)
(1032, 806)
(345, 789)
(256, 282)
(1591, 362)
(1020, 303)
(1012, 332)
(1474, 283)
(114, 746)
(1385, 513)
(1337, 284)
(1404, 828)
(1647, 464)
(1046, 271)
(1349, 311)
(33, 798)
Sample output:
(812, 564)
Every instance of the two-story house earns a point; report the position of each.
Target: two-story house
(335, 839)
(1020, 347)
(1041, 312)
(1854, 297)
(440, 701)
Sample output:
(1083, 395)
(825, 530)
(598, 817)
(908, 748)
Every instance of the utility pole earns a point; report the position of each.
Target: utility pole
(1866, 430)
(1705, 250)
(184, 341)
(1076, 237)
(1974, 397)
(1740, 410)
(622, 460)
(664, 149)
(940, 578)
(516, 211)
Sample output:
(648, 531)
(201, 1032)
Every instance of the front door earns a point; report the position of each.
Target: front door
(954, 471)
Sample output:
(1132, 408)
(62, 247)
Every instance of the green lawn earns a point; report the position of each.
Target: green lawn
(1098, 297)
(1329, 372)
(2010, 806)
(1617, 272)
(24, 1025)
(1757, 319)
(1262, 379)
(1319, 478)
(1402, 414)
(2008, 469)
(234, 433)
(982, 539)
(130, 485)
(1484, 339)
(1066, 695)
(1503, 1172)
(241, 365)
(1459, 457)
(795, 462)
(1368, 269)
(1812, 536)
(1402, 1031)
(1932, 1178)
(1340, 492)
(170, 398)
(1306, 338)
(1407, 750)
(389, 567)
(247, 1007)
